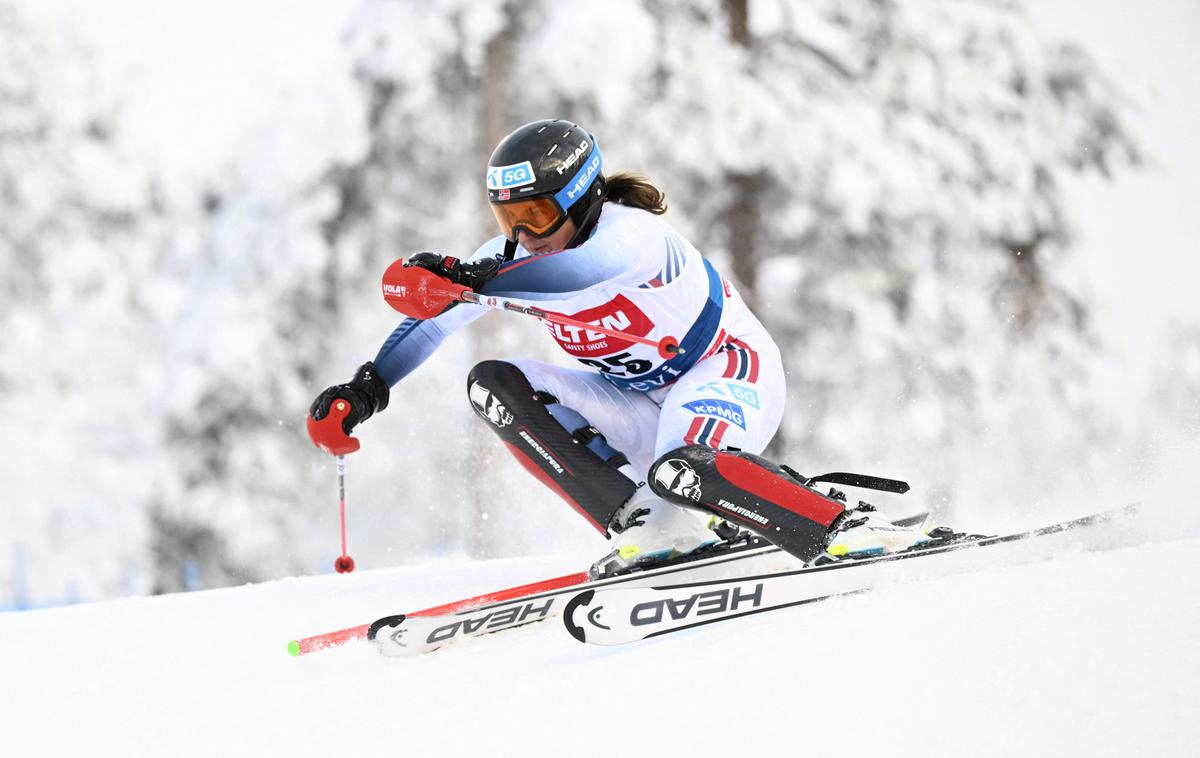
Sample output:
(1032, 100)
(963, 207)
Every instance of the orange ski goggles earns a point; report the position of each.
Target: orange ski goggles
(539, 216)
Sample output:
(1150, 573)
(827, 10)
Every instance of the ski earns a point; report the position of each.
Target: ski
(616, 615)
(425, 630)
(471, 610)
(410, 634)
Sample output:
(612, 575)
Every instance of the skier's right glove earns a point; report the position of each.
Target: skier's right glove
(473, 274)
(367, 394)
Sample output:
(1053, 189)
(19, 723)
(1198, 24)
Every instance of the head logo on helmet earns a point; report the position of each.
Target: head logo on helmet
(542, 174)
(574, 157)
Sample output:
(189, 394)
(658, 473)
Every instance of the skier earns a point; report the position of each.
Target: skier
(595, 247)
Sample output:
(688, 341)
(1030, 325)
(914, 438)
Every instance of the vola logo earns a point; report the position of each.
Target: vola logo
(619, 313)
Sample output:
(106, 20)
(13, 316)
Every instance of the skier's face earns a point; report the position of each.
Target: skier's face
(551, 242)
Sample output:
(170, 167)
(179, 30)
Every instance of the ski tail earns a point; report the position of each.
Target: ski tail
(611, 616)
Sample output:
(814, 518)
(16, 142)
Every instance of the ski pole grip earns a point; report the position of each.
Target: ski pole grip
(327, 433)
(417, 292)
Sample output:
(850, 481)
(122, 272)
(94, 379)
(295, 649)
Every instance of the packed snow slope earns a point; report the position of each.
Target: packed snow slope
(1084, 654)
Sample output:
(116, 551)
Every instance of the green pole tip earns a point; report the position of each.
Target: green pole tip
(294, 648)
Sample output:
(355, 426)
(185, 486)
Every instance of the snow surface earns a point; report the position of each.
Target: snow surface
(1087, 654)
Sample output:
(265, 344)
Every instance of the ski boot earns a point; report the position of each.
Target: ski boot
(650, 531)
(861, 532)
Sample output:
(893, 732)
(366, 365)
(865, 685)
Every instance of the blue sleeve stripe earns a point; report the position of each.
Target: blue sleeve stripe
(676, 259)
(506, 267)
(408, 346)
(551, 276)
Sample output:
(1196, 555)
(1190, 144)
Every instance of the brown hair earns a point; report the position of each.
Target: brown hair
(636, 191)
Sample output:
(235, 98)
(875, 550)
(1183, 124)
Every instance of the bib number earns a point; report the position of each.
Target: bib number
(621, 364)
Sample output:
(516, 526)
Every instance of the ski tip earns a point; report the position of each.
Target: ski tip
(386, 621)
(294, 648)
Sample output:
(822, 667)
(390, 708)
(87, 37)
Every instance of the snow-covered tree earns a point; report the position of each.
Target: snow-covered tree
(881, 177)
(80, 235)
(245, 495)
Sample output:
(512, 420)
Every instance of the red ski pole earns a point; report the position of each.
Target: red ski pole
(422, 294)
(328, 435)
(344, 563)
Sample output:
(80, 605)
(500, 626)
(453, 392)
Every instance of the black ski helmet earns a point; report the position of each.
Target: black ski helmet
(544, 173)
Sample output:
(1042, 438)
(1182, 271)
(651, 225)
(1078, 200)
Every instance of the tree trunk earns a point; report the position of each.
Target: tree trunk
(487, 523)
(744, 217)
(742, 221)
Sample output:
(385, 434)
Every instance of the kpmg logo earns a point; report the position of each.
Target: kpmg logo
(722, 409)
(507, 177)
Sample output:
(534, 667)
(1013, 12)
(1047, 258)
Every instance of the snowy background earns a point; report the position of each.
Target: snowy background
(971, 226)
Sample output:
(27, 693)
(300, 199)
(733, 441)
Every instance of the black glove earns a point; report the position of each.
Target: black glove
(366, 392)
(473, 274)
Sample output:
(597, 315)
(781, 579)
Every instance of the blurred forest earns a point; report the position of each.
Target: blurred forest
(883, 180)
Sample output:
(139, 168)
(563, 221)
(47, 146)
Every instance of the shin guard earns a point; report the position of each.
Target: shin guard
(565, 462)
(749, 491)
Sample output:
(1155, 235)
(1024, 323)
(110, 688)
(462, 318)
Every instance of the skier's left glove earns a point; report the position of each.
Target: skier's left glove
(473, 274)
(367, 393)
